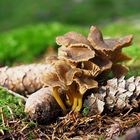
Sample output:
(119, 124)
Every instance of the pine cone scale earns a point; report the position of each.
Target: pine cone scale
(118, 95)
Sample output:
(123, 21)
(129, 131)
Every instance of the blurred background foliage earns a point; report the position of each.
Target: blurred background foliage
(15, 13)
(28, 27)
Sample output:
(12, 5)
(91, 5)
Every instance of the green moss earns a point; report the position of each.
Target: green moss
(7, 100)
(25, 44)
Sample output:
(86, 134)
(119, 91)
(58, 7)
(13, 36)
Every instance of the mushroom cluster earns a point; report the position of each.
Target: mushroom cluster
(80, 61)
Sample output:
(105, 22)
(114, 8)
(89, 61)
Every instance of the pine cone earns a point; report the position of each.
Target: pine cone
(24, 79)
(117, 96)
(42, 107)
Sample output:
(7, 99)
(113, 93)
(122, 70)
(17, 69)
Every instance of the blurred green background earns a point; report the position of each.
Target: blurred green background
(15, 13)
(29, 27)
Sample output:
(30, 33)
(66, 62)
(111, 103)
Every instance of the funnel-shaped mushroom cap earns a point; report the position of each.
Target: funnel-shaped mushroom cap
(103, 62)
(107, 46)
(56, 77)
(119, 57)
(119, 70)
(61, 75)
(89, 68)
(95, 37)
(66, 72)
(76, 53)
(119, 43)
(85, 83)
(72, 38)
(116, 55)
(75, 47)
(53, 80)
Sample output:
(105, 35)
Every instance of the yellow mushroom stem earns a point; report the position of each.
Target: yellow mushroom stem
(77, 101)
(70, 97)
(80, 103)
(74, 103)
(56, 95)
(69, 100)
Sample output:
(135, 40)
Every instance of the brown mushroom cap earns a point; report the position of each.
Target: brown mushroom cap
(76, 53)
(95, 37)
(119, 70)
(116, 55)
(107, 46)
(74, 47)
(119, 57)
(61, 74)
(103, 62)
(108, 51)
(72, 38)
(89, 68)
(84, 83)
(94, 53)
(55, 78)
(119, 43)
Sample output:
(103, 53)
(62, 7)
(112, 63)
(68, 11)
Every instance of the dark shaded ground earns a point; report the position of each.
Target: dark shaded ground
(70, 126)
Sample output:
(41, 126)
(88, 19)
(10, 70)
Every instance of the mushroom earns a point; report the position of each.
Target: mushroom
(73, 81)
(80, 60)
(89, 68)
(102, 62)
(83, 84)
(56, 79)
(119, 70)
(76, 53)
(71, 38)
(105, 53)
(111, 49)
(74, 47)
